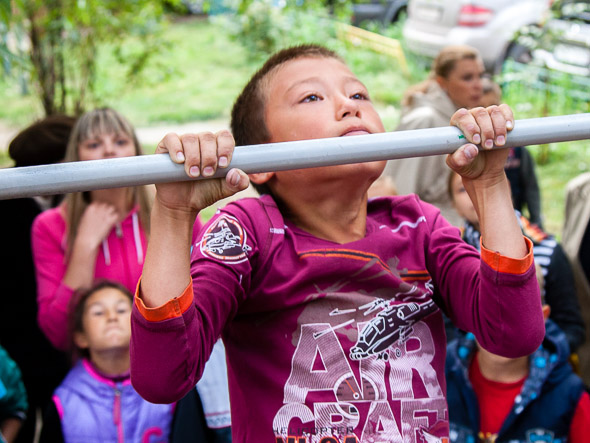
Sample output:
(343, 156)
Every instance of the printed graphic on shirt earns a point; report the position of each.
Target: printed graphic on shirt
(392, 324)
(225, 240)
(367, 374)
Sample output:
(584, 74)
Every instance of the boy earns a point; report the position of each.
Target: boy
(536, 398)
(326, 304)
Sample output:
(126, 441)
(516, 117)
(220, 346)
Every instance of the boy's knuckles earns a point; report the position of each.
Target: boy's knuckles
(480, 113)
(189, 140)
(224, 133)
(207, 138)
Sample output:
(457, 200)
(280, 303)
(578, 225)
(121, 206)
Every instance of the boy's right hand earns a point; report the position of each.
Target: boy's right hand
(201, 155)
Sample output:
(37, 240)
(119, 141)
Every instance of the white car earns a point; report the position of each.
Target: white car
(488, 25)
(563, 43)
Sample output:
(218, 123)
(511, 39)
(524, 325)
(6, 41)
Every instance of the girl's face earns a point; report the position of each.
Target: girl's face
(463, 85)
(462, 202)
(106, 321)
(103, 146)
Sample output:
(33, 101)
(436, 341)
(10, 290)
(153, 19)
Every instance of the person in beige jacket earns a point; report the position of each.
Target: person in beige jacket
(454, 82)
(575, 241)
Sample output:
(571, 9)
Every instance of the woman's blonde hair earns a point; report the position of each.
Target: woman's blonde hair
(442, 66)
(89, 125)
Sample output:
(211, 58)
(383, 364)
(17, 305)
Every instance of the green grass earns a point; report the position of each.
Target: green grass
(567, 160)
(196, 77)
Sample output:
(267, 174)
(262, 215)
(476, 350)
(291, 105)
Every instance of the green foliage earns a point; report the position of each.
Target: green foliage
(264, 26)
(64, 36)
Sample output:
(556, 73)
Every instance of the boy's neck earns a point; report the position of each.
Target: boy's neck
(331, 219)
(501, 369)
(112, 362)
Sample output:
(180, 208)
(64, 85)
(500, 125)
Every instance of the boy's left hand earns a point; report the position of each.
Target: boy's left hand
(486, 127)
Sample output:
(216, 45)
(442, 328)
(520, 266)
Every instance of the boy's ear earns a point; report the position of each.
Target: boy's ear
(261, 177)
(546, 311)
(80, 340)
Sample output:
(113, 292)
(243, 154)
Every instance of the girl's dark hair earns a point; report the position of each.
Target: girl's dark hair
(78, 306)
(247, 118)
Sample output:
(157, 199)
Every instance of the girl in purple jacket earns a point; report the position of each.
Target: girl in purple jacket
(96, 402)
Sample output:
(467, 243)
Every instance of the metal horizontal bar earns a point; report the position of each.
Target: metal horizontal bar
(63, 178)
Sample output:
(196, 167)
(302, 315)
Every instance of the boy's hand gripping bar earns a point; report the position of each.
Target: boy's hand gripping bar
(63, 178)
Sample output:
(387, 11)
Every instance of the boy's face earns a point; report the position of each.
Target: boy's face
(313, 97)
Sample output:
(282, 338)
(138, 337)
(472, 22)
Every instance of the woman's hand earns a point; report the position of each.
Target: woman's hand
(202, 154)
(486, 127)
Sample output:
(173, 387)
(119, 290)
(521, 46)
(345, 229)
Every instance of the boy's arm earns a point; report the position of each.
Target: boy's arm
(503, 310)
(484, 178)
(165, 290)
(166, 271)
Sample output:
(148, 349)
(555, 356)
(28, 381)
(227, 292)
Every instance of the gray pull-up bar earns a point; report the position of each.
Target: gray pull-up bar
(62, 178)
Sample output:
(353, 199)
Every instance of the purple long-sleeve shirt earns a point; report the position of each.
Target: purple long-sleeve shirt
(333, 340)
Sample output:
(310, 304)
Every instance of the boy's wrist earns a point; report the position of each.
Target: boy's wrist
(179, 216)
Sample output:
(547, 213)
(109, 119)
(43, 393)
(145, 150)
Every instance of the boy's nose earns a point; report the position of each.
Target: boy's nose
(348, 108)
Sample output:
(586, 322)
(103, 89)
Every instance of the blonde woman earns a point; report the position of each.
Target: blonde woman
(91, 235)
(455, 82)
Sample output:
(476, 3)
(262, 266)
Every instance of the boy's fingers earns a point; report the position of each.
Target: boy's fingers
(171, 143)
(192, 154)
(508, 115)
(225, 148)
(460, 160)
(499, 122)
(486, 127)
(208, 147)
(236, 180)
(465, 121)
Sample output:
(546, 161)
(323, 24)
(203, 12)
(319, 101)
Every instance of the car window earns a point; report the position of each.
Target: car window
(575, 10)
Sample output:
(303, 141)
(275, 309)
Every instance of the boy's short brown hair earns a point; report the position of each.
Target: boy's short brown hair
(247, 118)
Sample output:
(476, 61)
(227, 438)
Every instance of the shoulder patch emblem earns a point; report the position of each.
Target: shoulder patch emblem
(225, 240)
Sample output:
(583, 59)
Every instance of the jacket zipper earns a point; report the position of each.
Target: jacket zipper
(117, 416)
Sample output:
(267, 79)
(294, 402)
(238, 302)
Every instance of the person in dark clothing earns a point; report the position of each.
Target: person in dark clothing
(576, 243)
(13, 398)
(520, 165)
(559, 286)
(42, 367)
(520, 170)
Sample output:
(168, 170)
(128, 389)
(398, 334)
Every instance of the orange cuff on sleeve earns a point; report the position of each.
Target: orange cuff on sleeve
(171, 309)
(508, 265)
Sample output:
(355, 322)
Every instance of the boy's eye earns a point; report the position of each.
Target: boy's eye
(311, 98)
(122, 141)
(359, 96)
(92, 145)
(97, 312)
